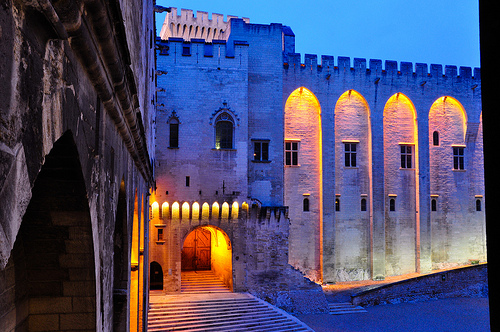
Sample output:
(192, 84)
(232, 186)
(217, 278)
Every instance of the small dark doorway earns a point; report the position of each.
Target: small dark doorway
(156, 276)
(196, 252)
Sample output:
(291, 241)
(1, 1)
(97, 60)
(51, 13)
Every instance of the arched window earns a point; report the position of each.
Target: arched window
(392, 204)
(435, 138)
(363, 204)
(433, 205)
(305, 204)
(224, 124)
(478, 205)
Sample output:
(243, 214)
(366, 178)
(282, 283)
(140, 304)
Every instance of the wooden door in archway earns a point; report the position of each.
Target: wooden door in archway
(196, 251)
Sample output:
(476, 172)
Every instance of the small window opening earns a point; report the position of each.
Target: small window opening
(186, 50)
(363, 204)
(350, 154)
(160, 234)
(174, 133)
(305, 205)
(406, 156)
(392, 204)
(478, 205)
(261, 151)
(458, 158)
(188, 180)
(433, 204)
(291, 153)
(337, 204)
(435, 138)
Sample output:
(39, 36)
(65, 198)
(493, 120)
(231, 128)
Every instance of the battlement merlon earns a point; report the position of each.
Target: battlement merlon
(187, 25)
(293, 60)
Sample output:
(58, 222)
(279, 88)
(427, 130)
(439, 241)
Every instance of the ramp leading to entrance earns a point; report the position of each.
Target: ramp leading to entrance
(218, 312)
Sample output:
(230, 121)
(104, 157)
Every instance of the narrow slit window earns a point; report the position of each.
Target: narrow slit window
(305, 204)
(435, 138)
(363, 204)
(433, 204)
(392, 204)
(160, 234)
(337, 204)
(478, 205)
(188, 180)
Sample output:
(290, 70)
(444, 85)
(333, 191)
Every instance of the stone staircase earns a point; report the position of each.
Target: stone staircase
(344, 308)
(198, 282)
(206, 304)
(243, 313)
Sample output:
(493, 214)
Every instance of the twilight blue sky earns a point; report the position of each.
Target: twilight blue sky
(429, 31)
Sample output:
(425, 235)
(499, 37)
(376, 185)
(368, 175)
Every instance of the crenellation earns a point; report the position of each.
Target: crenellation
(327, 61)
(391, 67)
(360, 64)
(450, 71)
(343, 63)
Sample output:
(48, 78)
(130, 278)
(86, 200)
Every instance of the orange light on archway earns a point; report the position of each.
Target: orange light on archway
(225, 210)
(165, 210)
(175, 211)
(155, 210)
(234, 210)
(215, 210)
(185, 210)
(196, 211)
(205, 211)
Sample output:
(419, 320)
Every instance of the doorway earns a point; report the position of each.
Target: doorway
(156, 276)
(196, 252)
(207, 250)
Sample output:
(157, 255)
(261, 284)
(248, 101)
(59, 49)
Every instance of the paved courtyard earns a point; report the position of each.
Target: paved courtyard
(453, 314)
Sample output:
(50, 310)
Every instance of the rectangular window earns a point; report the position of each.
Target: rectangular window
(291, 153)
(261, 150)
(174, 135)
(188, 180)
(406, 156)
(160, 234)
(186, 50)
(350, 154)
(458, 158)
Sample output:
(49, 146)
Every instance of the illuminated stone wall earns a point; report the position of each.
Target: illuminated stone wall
(379, 107)
(75, 146)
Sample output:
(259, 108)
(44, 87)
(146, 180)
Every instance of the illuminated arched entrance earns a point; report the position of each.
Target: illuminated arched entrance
(208, 248)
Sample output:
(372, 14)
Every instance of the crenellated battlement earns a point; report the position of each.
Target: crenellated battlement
(390, 68)
(188, 26)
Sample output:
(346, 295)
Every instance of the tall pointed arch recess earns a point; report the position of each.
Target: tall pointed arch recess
(304, 174)
(353, 182)
(401, 185)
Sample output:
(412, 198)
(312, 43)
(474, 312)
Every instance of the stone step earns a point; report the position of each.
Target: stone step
(173, 310)
(232, 312)
(219, 319)
(345, 308)
(227, 324)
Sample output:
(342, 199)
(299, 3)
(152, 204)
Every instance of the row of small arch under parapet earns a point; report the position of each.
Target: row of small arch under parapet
(194, 211)
(293, 60)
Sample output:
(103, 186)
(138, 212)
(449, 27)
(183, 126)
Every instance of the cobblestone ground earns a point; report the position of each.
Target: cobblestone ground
(453, 314)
